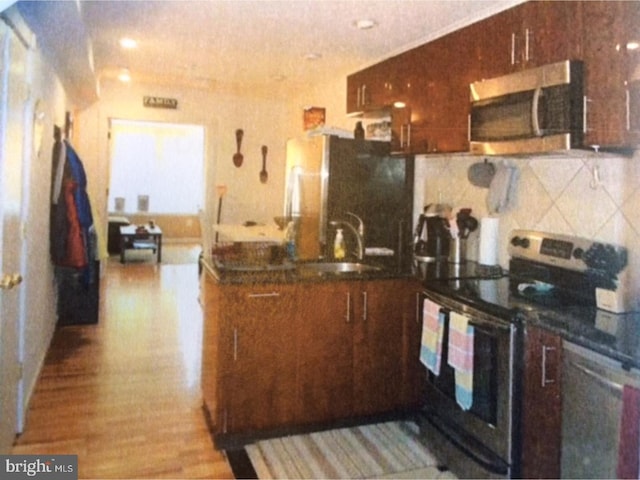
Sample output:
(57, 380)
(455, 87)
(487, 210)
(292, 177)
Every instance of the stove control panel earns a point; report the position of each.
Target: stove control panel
(573, 253)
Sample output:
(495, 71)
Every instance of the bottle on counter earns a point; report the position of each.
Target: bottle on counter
(339, 248)
(358, 133)
(290, 241)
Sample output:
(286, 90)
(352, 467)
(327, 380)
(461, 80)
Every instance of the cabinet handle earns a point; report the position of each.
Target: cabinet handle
(527, 44)
(364, 95)
(263, 295)
(418, 308)
(408, 135)
(628, 108)
(585, 120)
(546, 381)
(364, 305)
(235, 344)
(358, 95)
(513, 48)
(347, 317)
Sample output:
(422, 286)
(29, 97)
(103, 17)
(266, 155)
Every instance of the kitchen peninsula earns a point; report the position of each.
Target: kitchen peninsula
(291, 349)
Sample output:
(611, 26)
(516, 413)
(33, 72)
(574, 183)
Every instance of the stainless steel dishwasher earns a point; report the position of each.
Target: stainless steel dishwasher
(591, 411)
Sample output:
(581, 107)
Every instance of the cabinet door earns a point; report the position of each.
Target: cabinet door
(542, 405)
(632, 68)
(415, 373)
(367, 89)
(262, 374)
(325, 351)
(548, 33)
(493, 51)
(603, 41)
(378, 362)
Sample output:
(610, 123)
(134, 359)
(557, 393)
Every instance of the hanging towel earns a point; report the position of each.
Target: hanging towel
(629, 444)
(432, 333)
(461, 357)
(502, 190)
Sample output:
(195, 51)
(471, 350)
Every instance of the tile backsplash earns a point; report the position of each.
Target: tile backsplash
(581, 193)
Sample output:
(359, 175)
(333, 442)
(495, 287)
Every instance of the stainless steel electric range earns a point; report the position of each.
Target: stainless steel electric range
(553, 281)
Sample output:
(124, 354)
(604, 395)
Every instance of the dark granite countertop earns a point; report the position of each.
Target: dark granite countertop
(616, 336)
(292, 273)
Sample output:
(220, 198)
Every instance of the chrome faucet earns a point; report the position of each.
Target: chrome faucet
(357, 232)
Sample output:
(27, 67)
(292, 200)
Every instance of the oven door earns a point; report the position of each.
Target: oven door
(482, 436)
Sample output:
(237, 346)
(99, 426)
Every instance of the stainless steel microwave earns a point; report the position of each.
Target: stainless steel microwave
(532, 111)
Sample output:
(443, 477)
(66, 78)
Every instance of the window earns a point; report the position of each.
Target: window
(160, 163)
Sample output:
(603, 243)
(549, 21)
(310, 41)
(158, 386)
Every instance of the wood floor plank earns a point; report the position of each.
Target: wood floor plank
(124, 394)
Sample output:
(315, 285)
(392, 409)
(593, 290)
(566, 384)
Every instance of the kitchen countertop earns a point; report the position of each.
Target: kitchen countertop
(616, 336)
(290, 273)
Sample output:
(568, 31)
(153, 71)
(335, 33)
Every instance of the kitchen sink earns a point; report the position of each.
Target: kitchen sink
(338, 267)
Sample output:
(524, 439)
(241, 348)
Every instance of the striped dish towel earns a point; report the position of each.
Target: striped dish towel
(432, 333)
(461, 357)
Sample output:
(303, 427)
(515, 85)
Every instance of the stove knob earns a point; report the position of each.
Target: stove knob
(578, 253)
(520, 242)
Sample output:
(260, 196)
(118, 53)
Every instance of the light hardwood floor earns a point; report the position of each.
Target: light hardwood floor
(124, 394)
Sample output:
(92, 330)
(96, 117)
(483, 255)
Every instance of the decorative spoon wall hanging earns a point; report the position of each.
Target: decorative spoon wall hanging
(237, 157)
(264, 176)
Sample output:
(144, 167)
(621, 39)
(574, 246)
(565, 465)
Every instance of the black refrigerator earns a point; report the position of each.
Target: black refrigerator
(328, 176)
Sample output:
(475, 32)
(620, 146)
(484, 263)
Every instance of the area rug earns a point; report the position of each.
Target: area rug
(383, 450)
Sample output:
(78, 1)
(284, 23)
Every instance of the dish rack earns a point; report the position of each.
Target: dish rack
(249, 256)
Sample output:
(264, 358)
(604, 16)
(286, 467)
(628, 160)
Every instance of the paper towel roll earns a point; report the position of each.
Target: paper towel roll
(489, 238)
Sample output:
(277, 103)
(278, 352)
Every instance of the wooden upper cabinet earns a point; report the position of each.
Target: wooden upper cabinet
(368, 89)
(526, 36)
(612, 75)
(632, 63)
(434, 79)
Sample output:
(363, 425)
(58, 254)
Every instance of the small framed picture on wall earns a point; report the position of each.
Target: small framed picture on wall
(314, 117)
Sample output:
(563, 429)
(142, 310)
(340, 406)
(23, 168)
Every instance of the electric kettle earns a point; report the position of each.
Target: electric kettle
(432, 237)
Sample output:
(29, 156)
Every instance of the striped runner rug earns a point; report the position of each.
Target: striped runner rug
(382, 450)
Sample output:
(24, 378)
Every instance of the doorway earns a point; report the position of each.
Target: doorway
(156, 168)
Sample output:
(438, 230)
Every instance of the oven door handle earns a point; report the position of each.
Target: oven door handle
(487, 325)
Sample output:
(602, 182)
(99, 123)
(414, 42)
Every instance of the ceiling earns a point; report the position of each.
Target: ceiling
(249, 44)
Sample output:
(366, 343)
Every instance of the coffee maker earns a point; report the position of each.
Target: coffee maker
(432, 238)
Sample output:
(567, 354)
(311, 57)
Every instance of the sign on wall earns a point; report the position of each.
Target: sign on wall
(159, 102)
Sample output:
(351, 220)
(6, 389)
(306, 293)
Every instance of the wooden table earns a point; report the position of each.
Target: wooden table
(131, 239)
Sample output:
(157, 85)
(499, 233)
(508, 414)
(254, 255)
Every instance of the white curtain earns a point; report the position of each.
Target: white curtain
(163, 161)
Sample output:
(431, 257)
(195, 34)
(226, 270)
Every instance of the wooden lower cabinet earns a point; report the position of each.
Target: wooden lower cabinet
(542, 404)
(282, 355)
(325, 352)
(261, 375)
(377, 346)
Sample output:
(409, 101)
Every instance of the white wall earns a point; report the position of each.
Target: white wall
(221, 113)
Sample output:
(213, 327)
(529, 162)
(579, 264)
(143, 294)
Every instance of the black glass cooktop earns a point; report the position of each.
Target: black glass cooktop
(569, 314)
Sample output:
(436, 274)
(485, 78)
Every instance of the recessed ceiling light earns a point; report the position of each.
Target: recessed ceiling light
(124, 75)
(365, 24)
(313, 56)
(633, 45)
(128, 43)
